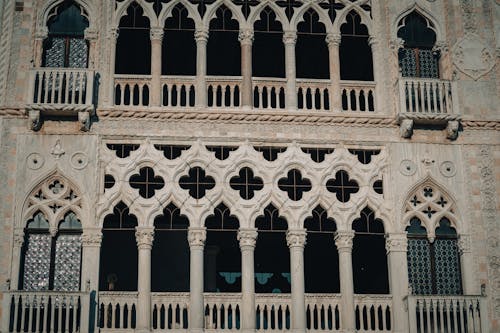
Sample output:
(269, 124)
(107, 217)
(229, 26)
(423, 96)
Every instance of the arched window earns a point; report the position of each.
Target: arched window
(170, 252)
(356, 62)
(179, 45)
(223, 49)
(369, 259)
(133, 47)
(222, 252)
(52, 263)
(268, 51)
(311, 49)
(433, 267)
(417, 58)
(272, 258)
(66, 45)
(118, 263)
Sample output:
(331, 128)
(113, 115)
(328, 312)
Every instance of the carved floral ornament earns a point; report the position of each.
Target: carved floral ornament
(144, 237)
(247, 237)
(296, 238)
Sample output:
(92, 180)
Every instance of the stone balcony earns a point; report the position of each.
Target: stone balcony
(428, 102)
(61, 92)
(117, 312)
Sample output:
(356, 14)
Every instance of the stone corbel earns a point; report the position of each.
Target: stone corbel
(35, 123)
(84, 119)
(452, 129)
(406, 128)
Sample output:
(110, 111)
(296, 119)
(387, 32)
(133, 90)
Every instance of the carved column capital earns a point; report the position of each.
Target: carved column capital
(113, 34)
(197, 237)
(91, 238)
(156, 34)
(246, 37)
(396, 44)
(201, 36)
(464, 243)
(41, 32)
(396, 242)
(296, 238)
(18, 237)
(343, 240)
(289, 37)
(247, 237)
(144, 237)
(372, 41)
(91, 34)
(441, 46)
(333, 40)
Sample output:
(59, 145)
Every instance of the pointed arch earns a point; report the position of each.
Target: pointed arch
(279, 12)
(298, 16)
(212, 10)
(46, 11)
(122, 7)
(423, 12)
(193, 14)
(342, 18)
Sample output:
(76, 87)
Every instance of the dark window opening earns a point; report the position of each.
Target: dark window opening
(65, 45)
(118, 261)
(311, 50)
(270, 153)
(417, 58)
(289, 6)
(122, 150)
(364, 155)
(246, 6)
(171, 152)
(332, 6)
(109, 182)
(223, 49)
(170, 252)
(246, 183)
(272, 258)
(221, 152)
(433, 268)
(222, 269)
(318, 154)
(268, 51)
(356, 61)
(133, 47)
(369, 259)
(197, 182)
(378, 187)
(294, 184)
(179, 45)
(342, 186)
(146, 182)
(321, 257)
(202, 5)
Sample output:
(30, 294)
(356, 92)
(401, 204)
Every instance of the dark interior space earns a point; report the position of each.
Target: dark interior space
(268, 52)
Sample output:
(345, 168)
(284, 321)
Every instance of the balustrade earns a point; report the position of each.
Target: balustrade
(222, 311)
(439, 314)
(313, 95)
(117, 311)
(170, 311)
(358, 96)
(373, 313)
(61, 86)
(323, 312)
(44, 312)
(269, 93)
(427, 96)
(178, 91)
(132, 90)
(224, 91)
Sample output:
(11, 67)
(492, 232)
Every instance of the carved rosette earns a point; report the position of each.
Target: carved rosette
(396, 242)
(144, 237)
(333, 40)
(156, 34)
(247, 237)
(91, 238)
(289, 38)
(464, 244)
(343, 240)
(18, 237)
(245, 37)
(296, 238)
(197, 237)
(201, 36)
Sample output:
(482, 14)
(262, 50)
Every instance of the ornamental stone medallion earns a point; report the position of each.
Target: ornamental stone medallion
(472, 56)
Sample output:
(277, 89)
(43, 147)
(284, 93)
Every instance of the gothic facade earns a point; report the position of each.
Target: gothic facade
(249, 165)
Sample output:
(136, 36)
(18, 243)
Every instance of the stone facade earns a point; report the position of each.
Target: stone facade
(457, 154)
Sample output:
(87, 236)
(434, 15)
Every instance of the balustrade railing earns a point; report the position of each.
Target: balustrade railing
(45, 312)
(224, 91)
(170, 312)
(373, 313)
(427, 96)
(61, 86)
(323, 312)
(358, 96)
(222, 311)
(178, 91)
(132, 90)
(117, 311)
(269, 93)
(313, 95)
(440, 314)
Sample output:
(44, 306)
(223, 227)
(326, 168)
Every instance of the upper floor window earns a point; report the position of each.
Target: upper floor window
(66, 45)
(417, 58)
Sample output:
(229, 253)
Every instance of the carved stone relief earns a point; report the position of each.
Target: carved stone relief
(472, 56)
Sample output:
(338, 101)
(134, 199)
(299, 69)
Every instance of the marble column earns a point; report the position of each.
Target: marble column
(247, 239)
(289, 39)
(91, 36)
(16, 259)
(156, 35)
(296, 240)
(41, 34)
(196, 239)
(378, 75)
(333, 42)
(343, 241)
(113, 38)
(144, 237)
(397, 246)
(246, 40)
(91, 249)
(467, 263)
(201, 37)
